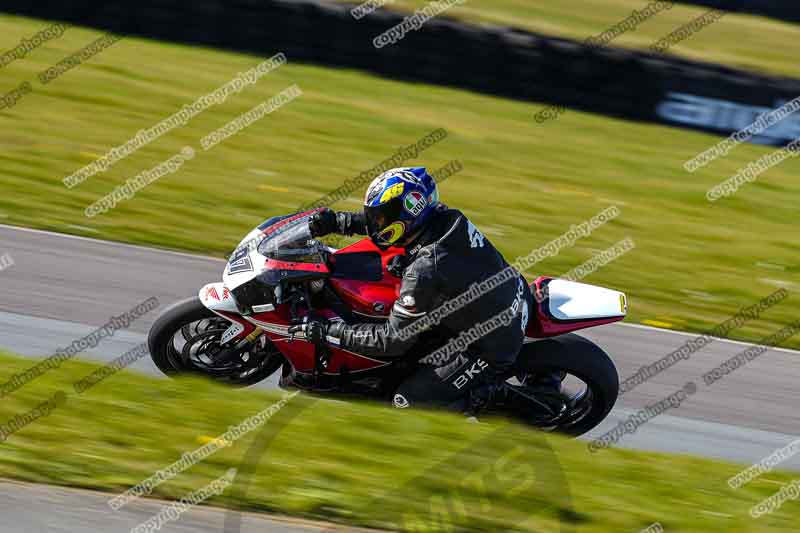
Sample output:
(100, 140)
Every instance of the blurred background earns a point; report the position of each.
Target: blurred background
(553, 112)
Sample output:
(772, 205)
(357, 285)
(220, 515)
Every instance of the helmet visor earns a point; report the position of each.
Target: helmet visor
(384, 223)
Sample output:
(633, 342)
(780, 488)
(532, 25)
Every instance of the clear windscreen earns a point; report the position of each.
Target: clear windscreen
(292, 242)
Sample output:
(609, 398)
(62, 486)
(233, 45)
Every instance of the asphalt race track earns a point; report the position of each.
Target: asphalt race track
(62, 287)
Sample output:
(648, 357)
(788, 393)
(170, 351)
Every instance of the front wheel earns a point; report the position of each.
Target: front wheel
(186, 338)
(584, 399)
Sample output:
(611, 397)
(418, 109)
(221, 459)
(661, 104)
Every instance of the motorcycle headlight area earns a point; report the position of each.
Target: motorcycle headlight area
(257, 291)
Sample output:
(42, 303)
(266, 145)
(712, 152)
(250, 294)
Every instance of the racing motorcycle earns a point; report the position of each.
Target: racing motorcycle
(241, 331)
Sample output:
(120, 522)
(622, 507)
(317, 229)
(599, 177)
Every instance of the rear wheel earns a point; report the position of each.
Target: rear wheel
(186, 338)
(586, 396)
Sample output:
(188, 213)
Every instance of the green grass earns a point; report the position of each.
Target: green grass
(744, 41)
(364, 464)
(523, 183)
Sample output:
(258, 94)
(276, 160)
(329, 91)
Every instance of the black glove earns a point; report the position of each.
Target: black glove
(315, 330)
(323, 222)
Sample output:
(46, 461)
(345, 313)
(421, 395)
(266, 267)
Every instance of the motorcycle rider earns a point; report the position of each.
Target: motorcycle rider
(445, 255)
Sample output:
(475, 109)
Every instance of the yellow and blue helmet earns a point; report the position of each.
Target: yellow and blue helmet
(397, 205)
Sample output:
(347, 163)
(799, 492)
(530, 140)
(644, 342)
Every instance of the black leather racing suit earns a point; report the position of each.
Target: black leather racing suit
(449, 259)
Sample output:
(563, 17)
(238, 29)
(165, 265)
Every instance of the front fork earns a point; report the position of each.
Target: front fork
(227, 354)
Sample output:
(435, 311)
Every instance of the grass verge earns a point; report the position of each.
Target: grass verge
(363, 464)
(694, 265)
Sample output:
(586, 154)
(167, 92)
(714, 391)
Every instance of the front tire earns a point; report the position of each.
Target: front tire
(581, 358)
(182, 327)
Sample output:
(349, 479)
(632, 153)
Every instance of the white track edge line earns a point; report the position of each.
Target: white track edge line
(716, 339)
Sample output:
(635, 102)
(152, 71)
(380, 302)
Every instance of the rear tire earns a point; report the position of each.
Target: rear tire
(583, 359)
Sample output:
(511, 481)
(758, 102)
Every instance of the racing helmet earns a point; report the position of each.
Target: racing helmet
(398, 204)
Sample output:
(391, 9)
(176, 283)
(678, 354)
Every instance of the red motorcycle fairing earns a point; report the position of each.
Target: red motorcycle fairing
(274, 264)
(361, 279)
(367, 291)
(301, 353)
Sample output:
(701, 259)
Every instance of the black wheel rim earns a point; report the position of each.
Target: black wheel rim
(194, 347)
(550, 410)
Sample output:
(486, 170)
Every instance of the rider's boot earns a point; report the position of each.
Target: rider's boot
(548, 381)
(546, 388)
(488, 391)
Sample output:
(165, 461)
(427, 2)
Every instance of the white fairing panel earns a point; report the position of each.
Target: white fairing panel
(246, 263)
(578, 301)
(217, 297)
